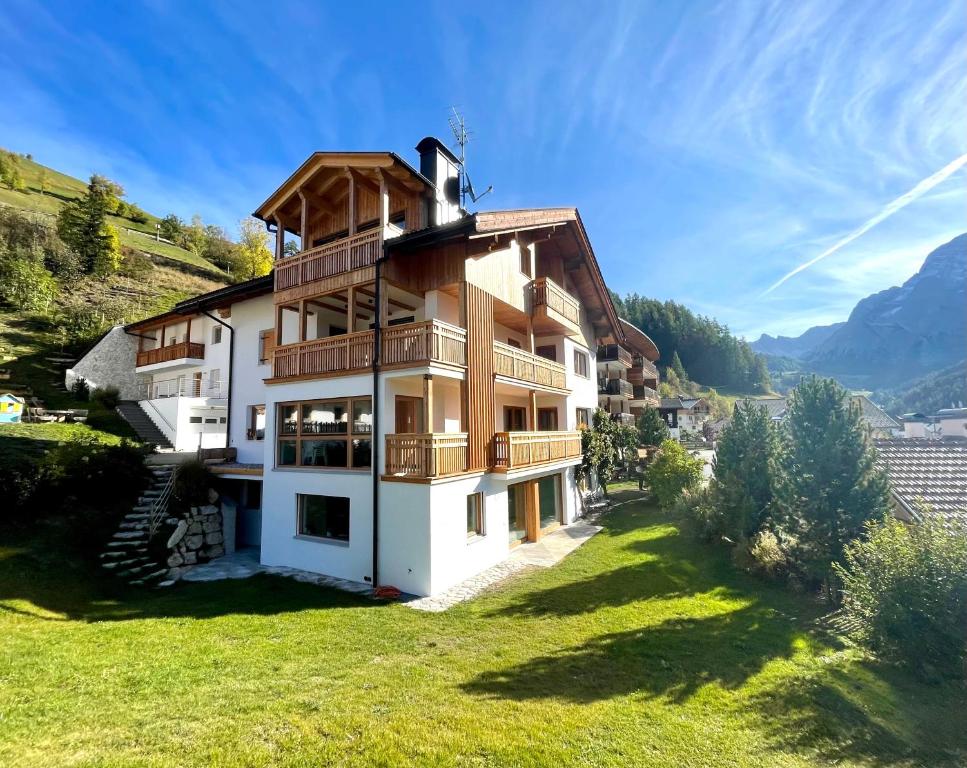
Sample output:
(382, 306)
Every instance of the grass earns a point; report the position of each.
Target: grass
(642, 648)
(61, 188)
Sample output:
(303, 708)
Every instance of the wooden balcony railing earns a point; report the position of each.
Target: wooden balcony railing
(642, 371)
(517, 364)
(550, 294)
(616, 387)
(348, 352)
(426, 456)
(330, 259)
(513, 450)
(614, 353)
(421, 343)
(171, 352)
(647, 394)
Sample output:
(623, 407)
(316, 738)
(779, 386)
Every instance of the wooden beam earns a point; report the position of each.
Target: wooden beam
(303, 220)
(351, 204)
(188, 335)
(279, 237)
(278, 324)
(532, 510)
(383, 200)
(302, 320)
(350, 305)
(393, 302)
(532, 410)
(162, 336)
(428, 402)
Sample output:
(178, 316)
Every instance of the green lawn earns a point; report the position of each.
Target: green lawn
(642, 648)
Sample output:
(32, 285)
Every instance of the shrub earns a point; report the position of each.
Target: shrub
(767, 554)
(192, 481)
(905, 594)
(672, 471)
(109, 397)
(697, 507)
(80, 389)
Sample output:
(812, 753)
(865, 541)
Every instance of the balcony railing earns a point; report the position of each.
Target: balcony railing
(430, 341)
(533, 369)
(614, 353)
(183, 387)
(642, 371)
(186, 349)
(426, 456)
(646, 394)
(334, 354)
(513, 450)
(624, 419)
(616, 387)
(549, 294)
(330, 259)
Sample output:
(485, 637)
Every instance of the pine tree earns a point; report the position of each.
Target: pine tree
(744, 465)
(828, 485)
(678, 368)
(81, 225)
(652, 429)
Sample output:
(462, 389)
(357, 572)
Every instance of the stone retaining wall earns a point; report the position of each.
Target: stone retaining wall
(197, 538)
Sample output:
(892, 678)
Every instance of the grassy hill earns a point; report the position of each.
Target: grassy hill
(59, 188)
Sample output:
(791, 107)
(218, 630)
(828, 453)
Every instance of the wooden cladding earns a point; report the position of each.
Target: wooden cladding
(186, 349)
(517, 364)
(426, 456)
(614, 353)
(333, 258)
(477, 309)
(429, 341)
(513, 450)
(335, 354)
(410, 344)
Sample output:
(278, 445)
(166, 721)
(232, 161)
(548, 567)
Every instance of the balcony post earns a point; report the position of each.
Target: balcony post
(302, 319)
(428, 403)
(303, 221)
(351, 309)
(279, 237)
(162, 337)
(351, 202)
(383, 201)
(188, 333)
(532, 416)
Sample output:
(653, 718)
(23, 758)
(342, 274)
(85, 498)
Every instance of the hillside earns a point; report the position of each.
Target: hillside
(59, 188)
(944, 389)
(893, 336)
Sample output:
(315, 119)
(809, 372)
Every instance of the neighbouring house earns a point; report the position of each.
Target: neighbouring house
(918, 426)
(11, 408)
(952, 422)
(403, 394)
(684, 414)
(881, 424)
(926, 476)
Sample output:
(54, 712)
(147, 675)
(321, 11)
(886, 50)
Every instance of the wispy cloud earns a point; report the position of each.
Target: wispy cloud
(888, 210)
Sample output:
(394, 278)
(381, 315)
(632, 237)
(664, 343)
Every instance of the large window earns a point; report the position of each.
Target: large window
(256, 422)
(547, 419)
(475, 515)
(581, 363)
(325, 433)
(582, 417)
(323, 517)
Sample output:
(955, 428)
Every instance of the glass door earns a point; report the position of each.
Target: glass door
(516, 509)
(549, 497)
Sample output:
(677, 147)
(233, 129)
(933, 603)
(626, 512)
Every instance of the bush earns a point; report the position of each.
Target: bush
(672, 471)
(697, 507)
(767, 554)
(905, 594)
(80, 389)
(109, 397)
(192, 482)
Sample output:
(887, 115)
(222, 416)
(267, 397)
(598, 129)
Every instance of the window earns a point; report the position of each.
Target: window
(515, 418)
(256, 422)
(525, 260)
(265, 345)
(547, 419)
(194, 419)
(324, 433)
(548, 352)
(581, 363)
(475, 515)
(211, 420)
(323, 517)
(583, 417)
(216, 334)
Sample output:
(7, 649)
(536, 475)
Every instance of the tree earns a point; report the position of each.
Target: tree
(828, 485)
(652, 428)
(744, 464)
(290, 248)
(605, 447)
(254, 256)
(24, 282)
(672, 471)
(719, 407)
(193, 236)
(44, 181)
(82, 226)
(171, 228)
(218, 249)
(677, 367)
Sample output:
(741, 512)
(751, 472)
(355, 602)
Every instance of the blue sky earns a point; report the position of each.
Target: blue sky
(712, 148)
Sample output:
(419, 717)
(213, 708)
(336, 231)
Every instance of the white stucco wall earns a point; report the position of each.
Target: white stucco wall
(248, 319)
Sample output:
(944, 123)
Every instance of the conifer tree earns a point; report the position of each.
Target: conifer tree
(828, 485)
(652, 429)
(678, 368)
(744, 465)
(81, 225)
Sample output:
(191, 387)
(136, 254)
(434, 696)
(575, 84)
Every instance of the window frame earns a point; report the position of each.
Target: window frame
(580, 423)
(544, 413)
(251, 430)
(349, 437)
(585, 358)
(478, 530)
(216, 334)
(299, 520)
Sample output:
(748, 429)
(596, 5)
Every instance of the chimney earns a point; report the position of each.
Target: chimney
(442, 168)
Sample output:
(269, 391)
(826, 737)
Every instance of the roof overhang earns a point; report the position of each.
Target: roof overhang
(639, 341)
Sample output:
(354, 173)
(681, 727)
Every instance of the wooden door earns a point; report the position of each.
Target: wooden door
(409, 414)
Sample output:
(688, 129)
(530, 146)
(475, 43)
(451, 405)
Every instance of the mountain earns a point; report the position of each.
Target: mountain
(896, 335)
(795, 346)
(946, 388)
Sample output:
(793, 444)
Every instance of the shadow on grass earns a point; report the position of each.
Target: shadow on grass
(47, 587)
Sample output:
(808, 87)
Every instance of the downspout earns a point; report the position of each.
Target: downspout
(377, 345)
(231, 365)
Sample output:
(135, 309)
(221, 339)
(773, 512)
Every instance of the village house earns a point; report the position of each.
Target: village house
(927, 477)
(402, 396)
(881, 424)
(684, 414)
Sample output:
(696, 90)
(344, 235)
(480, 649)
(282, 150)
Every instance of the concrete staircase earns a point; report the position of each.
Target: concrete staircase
(142, 424)
(126, 555)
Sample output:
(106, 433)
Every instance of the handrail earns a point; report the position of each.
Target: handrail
(429, 340)
(521, 449)
(183, 387)
(159, 507)
(346, 352)
(550, 294)
(183, 349)
(517, 364)
(161, 416)
(608, 353)
(426, 455)
(342, 255)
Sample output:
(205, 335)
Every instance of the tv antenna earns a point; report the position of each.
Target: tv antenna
(462, 136)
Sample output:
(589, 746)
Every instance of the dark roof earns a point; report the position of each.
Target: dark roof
(673, 403)
(914, 417)
(873, 415)
(933, 472)
(775, 407)
(432, 142)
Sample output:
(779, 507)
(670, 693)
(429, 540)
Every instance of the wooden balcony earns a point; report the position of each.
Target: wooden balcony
(516, 450)
(423, 343)
(616, 388)
(426, 456)
(614, 353)
(554, 309)
(339, 256)
(185, 350)
(521, 366)
(646, 396)
(642, 371)
(322, 357)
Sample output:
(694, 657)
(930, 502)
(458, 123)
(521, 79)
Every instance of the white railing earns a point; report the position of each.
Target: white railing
(159, 507)
(184, 387)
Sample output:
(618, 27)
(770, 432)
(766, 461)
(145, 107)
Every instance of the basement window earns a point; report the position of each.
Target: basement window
(323, 517)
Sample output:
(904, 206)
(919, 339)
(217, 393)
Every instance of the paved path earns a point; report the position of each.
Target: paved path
(551, 549)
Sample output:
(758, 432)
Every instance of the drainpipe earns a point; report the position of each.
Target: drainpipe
(231, 365)
(377, 345)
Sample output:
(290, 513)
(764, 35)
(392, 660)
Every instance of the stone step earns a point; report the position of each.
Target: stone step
(142, 508)
(137, 525)
(113, 554)
(166, 583)
(137, 516)
(128, 535)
